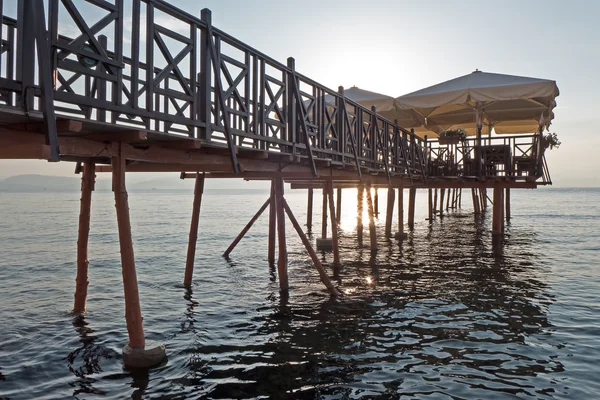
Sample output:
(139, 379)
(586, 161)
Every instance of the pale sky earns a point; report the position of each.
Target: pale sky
(396, 47)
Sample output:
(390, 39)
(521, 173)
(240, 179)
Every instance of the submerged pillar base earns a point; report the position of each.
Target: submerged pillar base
(401, 235)
(324, 243)
(152, 354)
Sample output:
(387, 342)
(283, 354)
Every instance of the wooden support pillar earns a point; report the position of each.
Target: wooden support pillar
(324, 215)
(133, 312)
(450, 194)
(412, 194)
(247, 227)
(376, 203)
(282, 257)
(193, 237)
(476, 203)
(400, 211)
(272, 225)
(507, 201)
(435, 199)
(389, 215)
(460, 198)
(309, 210)
(372, 230)
(81, 281)
(483, 199)
(334, 229)
(498, 211)
(360, 209)
(338, 207)
(430, 205)
(313, 255)
(442, 193)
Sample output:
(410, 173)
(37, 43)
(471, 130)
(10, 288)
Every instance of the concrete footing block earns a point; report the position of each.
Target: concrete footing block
(151, 355)
(401, 235)
(324, 244)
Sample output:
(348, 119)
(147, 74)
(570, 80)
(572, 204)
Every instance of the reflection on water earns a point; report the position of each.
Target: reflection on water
(447, 313)
(436, 314)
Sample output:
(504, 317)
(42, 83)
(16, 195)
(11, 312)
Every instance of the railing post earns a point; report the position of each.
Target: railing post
(339, 123)
(25, 54)
(292, 117)
(427, 154)
(478, 151)
(374, 136)
(204, 79)
(101, 83)
(413, 149)
(396, 146)
(405, 151)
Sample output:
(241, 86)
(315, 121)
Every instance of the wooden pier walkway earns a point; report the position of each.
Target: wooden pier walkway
(200, 102)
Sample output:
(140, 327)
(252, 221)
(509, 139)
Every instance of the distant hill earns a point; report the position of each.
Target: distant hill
(40, 183)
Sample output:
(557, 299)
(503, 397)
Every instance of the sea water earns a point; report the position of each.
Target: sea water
(443, 314)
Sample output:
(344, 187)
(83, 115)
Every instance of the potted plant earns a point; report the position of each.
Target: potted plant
(550, 141)
(452, 136)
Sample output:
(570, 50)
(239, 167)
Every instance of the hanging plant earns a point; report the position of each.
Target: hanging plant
(452, 136)
(550, 141)
(460, 132)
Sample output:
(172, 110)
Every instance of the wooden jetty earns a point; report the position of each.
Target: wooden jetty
(218, 108)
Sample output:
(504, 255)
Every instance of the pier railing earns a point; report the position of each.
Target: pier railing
(152, 66)
(518, 156)
(157, 68)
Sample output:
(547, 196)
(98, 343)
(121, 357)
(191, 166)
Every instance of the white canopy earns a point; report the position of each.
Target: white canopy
(386, 107)
(509, 104)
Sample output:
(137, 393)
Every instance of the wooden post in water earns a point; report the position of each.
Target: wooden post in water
(476, 203)
(372, 230)
(137, 353)
(247, 227)
(313, 255)
(412, 194)
(401, 212)
(338, 207)
(498, 209)
(435, 199)
(389, 215)
(282, 257)
(81, 281)
(442, 193)
(376, 203)
(193, 237)
(272, 224)
(334, 229)
(133, 312)
(309, 210)
(483, 199)
(450, 195)
(359, 217)
(507, 200)
(324, 214)
(460, 198)
(430, 205)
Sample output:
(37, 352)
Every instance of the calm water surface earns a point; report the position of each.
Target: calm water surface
(443, 315)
